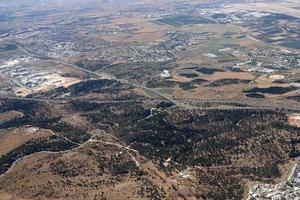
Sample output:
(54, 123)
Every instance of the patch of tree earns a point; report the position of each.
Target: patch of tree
(202, 138)
(68, 168)
(294, 152)
(271, 90)
(140, 71)
(86, 87)
(219, 15)
(154, 83)
(236, 104)
(38, 116)
(29, 120)
(50, 94)
(255, 95)
(164, 104)
(296, 97)
(199, 81)
(268, 171)
(92, 65)
(281, 81)
(102, 164)
(84, 106)
(179, 20)
(189, 75)
(192, 139)
(119, 165)
(210, 160)
(205, 70)
(186, 86)
(126, 115)
(228, 81)
(150, 191)
(29, 107)
(53, 143)
(221, 186)
(71, 132)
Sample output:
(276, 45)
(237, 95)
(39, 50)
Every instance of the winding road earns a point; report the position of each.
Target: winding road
(72, 149)
(164, 98)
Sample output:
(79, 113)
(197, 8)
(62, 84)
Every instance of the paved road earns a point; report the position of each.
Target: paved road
(100, 75)
(121, 81)
(182, 103)
(224, 104)
(239, 29)
(66, 100)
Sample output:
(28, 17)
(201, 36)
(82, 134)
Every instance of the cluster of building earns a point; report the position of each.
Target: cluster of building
(163, 51)
(233, 17)
(20, 72)
(52, 43)
(122, 28)
(180, 40)
(155, 53)
(289, 189)
(268, 60)
(14, 70)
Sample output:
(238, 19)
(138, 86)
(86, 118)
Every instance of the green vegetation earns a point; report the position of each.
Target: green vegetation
(38, 115)
(181, 20)
(229, 81)
(271, 90)
(92, 65)
(205, 70)
(189, 75)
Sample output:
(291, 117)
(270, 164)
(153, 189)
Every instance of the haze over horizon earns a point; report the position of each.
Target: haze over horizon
(149, 99)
